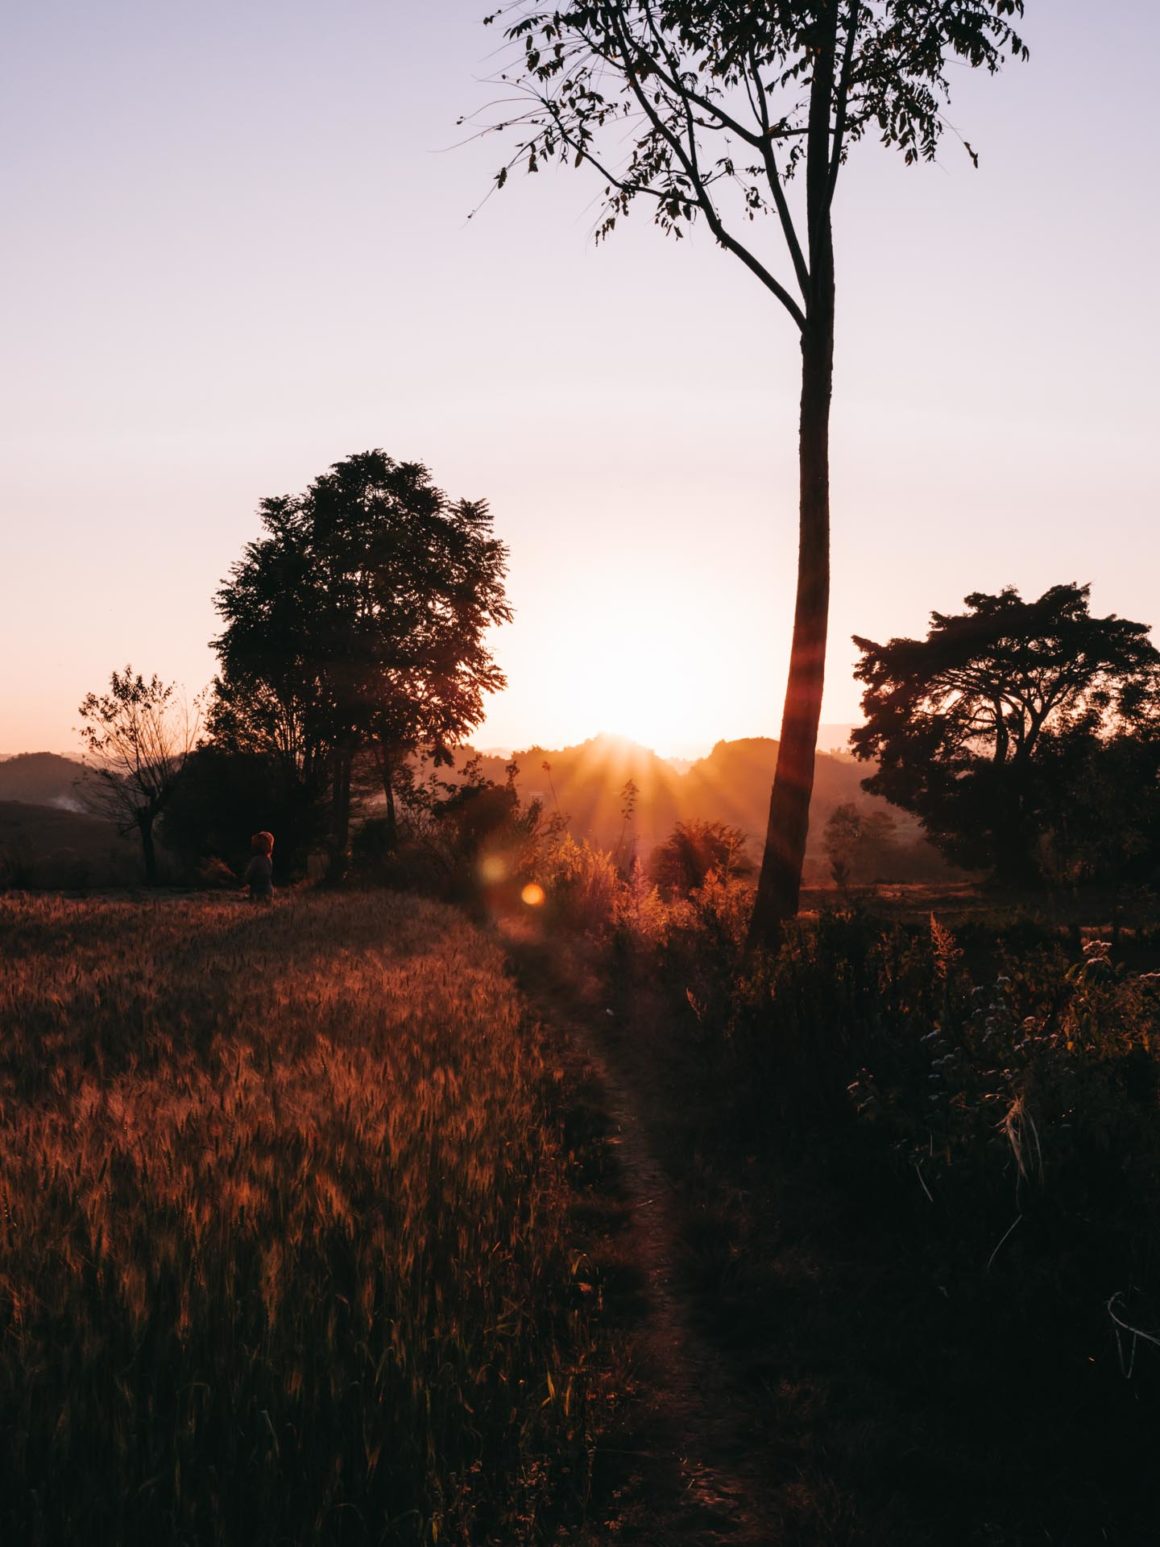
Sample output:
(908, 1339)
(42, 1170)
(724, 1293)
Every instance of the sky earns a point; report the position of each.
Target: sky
(240, 246)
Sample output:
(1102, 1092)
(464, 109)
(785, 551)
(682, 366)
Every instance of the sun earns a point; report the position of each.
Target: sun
(659, 647)
(638, 674)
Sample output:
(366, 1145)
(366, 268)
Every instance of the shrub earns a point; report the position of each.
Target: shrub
(696, 850)
(582, 886)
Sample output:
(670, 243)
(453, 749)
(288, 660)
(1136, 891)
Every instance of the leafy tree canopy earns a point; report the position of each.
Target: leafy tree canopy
(368, 602)
(360, 619)
(964, 724)
(714, 100)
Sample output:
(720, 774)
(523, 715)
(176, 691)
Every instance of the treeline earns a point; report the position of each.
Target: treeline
(1022, 739)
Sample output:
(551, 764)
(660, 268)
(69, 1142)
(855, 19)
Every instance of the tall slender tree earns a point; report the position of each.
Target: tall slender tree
(720, 103)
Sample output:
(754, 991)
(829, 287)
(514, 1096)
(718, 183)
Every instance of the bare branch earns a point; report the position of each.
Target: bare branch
(843, 94)
(706, 204)
(801, 268)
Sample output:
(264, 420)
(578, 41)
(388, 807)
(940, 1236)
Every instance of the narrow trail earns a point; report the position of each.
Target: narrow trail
(704, 1479)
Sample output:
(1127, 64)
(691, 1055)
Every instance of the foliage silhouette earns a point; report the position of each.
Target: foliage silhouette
(224, 796)
(858, 843)
(695, 850)
(983, 729)
(359, 622)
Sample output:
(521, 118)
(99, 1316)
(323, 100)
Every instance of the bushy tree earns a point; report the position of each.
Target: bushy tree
(138, 737)
(980, 728)
(225, 796)
(693, 851)
(360, 621)
(1100, 804)
(706, 110)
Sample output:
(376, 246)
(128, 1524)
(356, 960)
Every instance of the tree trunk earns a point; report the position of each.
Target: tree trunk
(339, 814)
(388, 771)
(779, 885)
(1016, 868)
(148, 852)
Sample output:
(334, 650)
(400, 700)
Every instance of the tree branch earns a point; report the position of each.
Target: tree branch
(789, 230)
(843, 95)
(681, 88)
(688, 163)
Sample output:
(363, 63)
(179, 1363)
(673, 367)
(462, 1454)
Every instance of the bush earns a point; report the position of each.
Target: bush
(693, 852)
(582, 886)
(223, 797)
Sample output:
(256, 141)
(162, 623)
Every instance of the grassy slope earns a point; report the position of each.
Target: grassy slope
(284, 1245)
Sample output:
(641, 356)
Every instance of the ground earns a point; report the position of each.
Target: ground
(349, 1220)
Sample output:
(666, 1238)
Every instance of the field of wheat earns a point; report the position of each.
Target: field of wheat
(284, 1252)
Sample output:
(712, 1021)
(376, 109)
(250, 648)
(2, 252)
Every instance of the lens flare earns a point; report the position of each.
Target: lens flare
(493, 868)
(533, 894)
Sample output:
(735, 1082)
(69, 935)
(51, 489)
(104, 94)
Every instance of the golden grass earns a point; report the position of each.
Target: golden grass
(283, 1240)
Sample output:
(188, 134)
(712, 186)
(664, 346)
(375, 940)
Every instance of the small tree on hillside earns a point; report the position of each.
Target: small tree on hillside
(859, 844)
(970, 726)
(842, 838)
(138, 737)
(705, 110)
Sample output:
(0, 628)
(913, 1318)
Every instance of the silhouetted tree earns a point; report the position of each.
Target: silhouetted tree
(138, 737)
(272, 721)
(859, 844)
(972, 726)
(719, 105)
(360, 620)
(272, 695)
(842, 836)
(1100, 802)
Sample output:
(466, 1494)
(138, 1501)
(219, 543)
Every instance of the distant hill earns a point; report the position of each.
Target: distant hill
(587, 783)
(42, 845)
(834, 738)
(42, 779)
(732, 784)
(584, 783)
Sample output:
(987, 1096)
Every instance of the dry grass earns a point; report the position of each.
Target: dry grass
(283, 1230)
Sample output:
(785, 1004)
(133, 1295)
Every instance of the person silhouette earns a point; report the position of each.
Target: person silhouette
(259, 876)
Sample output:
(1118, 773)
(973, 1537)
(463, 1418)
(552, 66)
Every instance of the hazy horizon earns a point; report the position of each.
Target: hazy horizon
(533, 743)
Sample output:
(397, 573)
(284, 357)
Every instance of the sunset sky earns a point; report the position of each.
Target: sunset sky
(238, 249)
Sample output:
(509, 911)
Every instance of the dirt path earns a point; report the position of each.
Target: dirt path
(701, 1477)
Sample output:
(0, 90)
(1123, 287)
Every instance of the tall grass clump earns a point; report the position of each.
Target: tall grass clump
(283, 1243)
